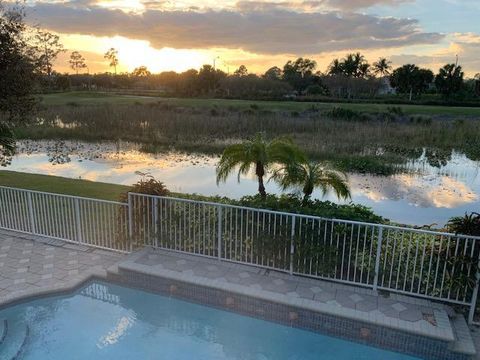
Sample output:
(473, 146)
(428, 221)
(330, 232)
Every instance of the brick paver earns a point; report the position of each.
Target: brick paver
(31, 265)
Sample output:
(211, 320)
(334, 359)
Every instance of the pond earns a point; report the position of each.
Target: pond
(424, 195)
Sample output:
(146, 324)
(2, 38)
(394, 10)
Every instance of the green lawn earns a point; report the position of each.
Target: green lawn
(61, 185)
(99, 98)
(93, 98)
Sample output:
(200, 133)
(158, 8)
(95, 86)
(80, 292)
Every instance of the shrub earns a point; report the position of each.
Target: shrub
(148, 185)
(141, 210)
(466, 225)
(397, 110)
(421, 120)
(293, 204)
(346, 114)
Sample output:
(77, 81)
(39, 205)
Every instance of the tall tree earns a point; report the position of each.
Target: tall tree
(141, 71)
(352, 66)
(477, 84)
(209, 78)
(308, 175)
(17, 75)
(49, 47)
(259, 154)
(382, 67)
(274, 73)
(241, 71)
(112, 56)
(410, 79)
(7, 144)
(449, 80)
(77, 61)
(300, 73)
(336, 67)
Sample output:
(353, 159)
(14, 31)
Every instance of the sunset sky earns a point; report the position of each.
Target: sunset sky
(178, 35)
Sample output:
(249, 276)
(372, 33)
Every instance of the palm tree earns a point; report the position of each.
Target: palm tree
(7, 143)
(308, 176)
(336, 67)
(382, 67)
(258, 153)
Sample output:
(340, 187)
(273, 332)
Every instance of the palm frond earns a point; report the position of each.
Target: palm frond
(232, 157)
(307, 176)
(329, 179)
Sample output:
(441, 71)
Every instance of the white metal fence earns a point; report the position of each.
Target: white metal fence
(422, 263)
(87, 221)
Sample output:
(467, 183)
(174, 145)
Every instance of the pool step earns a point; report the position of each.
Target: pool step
(14, 338)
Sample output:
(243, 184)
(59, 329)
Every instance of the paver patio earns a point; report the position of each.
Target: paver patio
(31, 265)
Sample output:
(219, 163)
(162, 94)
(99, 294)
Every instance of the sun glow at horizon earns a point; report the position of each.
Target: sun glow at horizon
(132, 54)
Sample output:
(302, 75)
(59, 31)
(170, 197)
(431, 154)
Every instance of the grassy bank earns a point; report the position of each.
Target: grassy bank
(100, 98)
(61, 185)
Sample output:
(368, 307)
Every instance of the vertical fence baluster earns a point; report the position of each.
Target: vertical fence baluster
(377, 259)
(292, 244)
(156, 219)
(130, 220)
(31, 213)
(78, 222)
(219, 231)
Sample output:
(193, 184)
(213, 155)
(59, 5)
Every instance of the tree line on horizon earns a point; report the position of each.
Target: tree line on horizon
(350, 77)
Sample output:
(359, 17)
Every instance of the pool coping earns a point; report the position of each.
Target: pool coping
(271, 309)
(442, 332)
(56, 290)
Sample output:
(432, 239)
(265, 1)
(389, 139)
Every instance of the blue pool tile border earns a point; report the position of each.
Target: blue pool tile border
(344, 328)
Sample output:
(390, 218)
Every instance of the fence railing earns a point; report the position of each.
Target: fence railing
(86, 221)
(422, 263)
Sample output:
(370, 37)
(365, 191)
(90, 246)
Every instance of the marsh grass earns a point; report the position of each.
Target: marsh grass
(354, 140)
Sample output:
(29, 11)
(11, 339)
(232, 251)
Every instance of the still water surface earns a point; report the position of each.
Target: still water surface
(425, 195)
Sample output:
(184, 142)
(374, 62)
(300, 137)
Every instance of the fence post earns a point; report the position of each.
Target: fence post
(130, 220)
(155, 219)
(78, 224)
(292, 243)
(219, 232)
(377, 258)
(33, 228)
(473, 304)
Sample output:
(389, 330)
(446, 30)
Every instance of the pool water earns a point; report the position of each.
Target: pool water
(104, 321)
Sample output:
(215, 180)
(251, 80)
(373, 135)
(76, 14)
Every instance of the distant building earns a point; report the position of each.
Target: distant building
(385, 87)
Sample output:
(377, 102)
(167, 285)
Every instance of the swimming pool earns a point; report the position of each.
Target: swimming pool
(105, 321)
